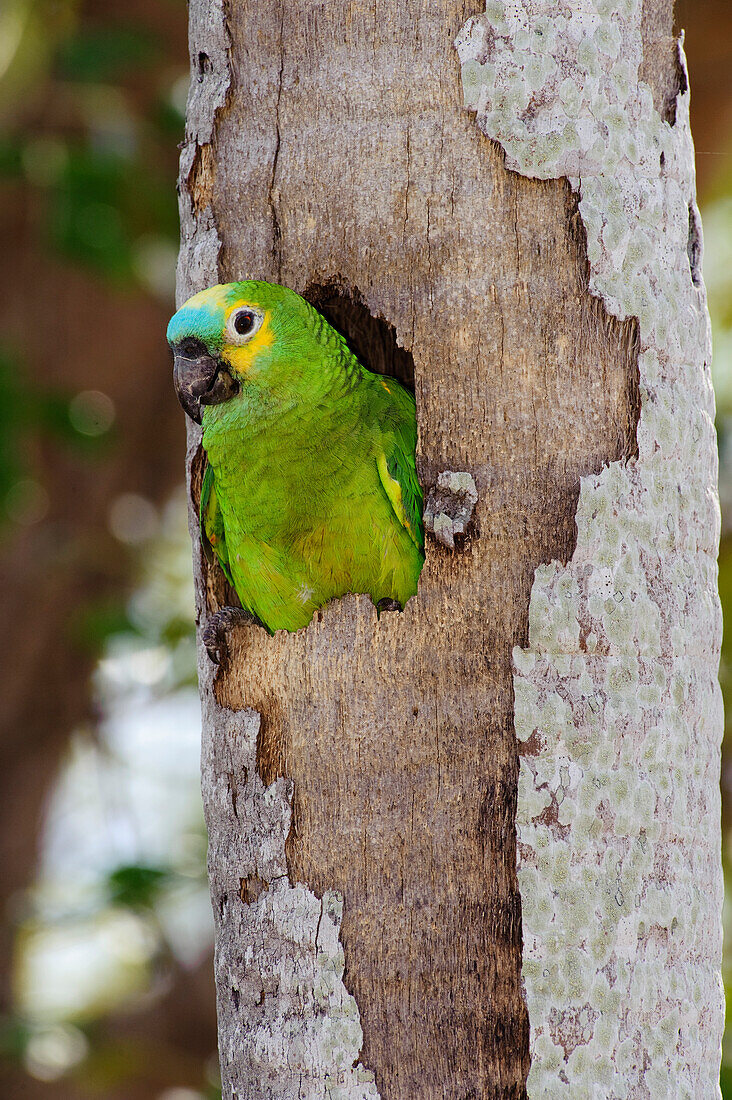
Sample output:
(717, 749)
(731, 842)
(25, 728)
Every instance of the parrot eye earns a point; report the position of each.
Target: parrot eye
(243, 323)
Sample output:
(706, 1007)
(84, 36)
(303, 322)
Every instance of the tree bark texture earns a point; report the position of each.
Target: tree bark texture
(361, 776)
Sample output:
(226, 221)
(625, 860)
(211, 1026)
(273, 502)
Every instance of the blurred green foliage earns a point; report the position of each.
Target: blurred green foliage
(26, 409)
(90, 115)
(30, 413)
(99, 204)
(92, 143)
(121, 900)
(92, 623)
(107, 53)
(135, 886)
(90, 108)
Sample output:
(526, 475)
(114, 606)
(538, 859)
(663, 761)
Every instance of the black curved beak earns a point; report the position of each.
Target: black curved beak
(199, 379)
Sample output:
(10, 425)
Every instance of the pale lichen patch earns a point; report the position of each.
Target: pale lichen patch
(291, 1025)
(617, 701)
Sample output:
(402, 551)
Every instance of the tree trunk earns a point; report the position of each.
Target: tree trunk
(361, 777)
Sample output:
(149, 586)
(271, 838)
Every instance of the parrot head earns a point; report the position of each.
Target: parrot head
(224, 337)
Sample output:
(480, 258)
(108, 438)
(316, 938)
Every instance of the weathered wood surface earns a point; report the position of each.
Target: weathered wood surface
(331, 142)
(617, 705)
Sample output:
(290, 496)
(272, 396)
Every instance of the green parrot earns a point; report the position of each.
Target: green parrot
(310, 489)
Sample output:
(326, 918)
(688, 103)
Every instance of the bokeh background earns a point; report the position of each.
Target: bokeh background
(106, 987)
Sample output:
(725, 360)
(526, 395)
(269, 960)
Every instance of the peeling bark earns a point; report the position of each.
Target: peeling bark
(617, 693)
(360, 777)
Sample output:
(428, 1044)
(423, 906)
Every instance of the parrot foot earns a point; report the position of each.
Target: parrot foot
(387, 604)
(449, 507)
(215, 631)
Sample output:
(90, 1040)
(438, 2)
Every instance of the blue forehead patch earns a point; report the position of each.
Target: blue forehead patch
(202, 317)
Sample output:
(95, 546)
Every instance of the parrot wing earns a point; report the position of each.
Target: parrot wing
(398, 475)
(213, 535)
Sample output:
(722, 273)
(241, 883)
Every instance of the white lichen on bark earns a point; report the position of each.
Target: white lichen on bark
(288, 1027)
(618, 708)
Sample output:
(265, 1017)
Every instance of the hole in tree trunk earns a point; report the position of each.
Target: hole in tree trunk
(694, 245)
(371, 339)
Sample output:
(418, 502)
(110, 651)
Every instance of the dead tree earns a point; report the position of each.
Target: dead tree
(500, 207)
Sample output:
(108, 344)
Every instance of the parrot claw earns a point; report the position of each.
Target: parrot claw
(216, 630)
(450, 505)
(387, 604)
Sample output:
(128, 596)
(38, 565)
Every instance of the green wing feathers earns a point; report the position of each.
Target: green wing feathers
(398, 472)
(213, 535)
